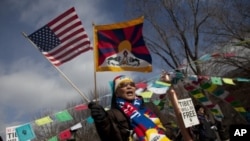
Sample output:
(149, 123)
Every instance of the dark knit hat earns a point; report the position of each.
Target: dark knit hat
(197, 107)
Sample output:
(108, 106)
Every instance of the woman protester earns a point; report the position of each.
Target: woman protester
(129, 118)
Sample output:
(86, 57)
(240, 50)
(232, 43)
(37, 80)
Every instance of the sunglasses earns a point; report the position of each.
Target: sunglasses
(125, 84)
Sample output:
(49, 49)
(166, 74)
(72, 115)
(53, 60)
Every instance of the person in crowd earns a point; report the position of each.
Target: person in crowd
(223, 129)
(129, 118)
(206, 130)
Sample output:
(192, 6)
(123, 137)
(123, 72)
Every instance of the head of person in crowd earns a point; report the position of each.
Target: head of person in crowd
(123, 87)
(200, 110)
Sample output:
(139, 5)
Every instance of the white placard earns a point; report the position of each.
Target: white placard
(11, 133)
(188, 112)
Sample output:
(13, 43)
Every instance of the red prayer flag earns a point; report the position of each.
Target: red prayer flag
(141, 85)
(62, 39)
(66, 134)
(229, 99)
(81, 107)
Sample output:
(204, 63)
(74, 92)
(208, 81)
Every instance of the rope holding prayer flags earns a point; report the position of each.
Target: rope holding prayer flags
(195, 89)
(121, 47)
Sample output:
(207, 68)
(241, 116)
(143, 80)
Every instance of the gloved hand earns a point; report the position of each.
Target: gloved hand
(97, 111)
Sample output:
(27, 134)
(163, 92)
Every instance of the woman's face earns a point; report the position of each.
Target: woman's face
(201, 111)
(126, 90)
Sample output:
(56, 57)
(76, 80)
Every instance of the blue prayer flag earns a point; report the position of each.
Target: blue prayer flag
(25, 132)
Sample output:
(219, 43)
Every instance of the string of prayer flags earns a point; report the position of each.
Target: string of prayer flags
(219, 92)
(63, 116)
(236, 105)
(216, 111)
(195, 90)
(25, 132)
(66, 134)
(53, 139)
(44, 120)
(208, 86)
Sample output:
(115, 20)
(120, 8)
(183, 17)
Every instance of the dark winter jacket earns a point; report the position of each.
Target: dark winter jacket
(116, 126)
(204, 131)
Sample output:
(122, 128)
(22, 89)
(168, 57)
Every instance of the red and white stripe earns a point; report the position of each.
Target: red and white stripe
(74, 40)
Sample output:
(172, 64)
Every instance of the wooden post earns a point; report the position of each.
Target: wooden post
(174, 100)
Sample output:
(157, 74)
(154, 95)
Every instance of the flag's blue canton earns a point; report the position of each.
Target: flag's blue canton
(45, 39)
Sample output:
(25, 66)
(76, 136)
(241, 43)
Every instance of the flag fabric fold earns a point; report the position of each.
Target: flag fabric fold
(62, 39)
(121, 47)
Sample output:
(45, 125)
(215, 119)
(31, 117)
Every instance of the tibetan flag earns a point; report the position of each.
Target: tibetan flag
(25, 132)
(62, 39)
(121, 47)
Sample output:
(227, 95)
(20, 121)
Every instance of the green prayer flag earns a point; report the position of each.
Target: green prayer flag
(63, 116)
(235, 104)
(196, 91)
(203, 99)
(53, 139)
(206, 85)
(216, 80)
(218, 92)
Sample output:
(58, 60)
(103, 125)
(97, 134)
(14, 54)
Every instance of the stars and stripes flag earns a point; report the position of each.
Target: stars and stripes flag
(62, 39)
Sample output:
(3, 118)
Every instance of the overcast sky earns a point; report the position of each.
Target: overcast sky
(28, 82)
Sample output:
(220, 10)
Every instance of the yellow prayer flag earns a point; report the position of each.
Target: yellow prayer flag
(240, 109)
(211, 88)
(146, 94)
(228, 81)
(199, 95)
(43, 120)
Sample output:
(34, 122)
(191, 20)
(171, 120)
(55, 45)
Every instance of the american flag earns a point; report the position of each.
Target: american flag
(62, 39)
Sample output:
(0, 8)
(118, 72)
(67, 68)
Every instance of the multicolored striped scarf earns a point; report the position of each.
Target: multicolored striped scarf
(145, 123)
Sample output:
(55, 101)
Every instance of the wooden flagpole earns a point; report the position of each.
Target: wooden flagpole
(94, 59)
(64, 76)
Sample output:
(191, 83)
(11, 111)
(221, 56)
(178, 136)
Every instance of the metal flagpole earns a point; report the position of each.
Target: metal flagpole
(64, 76)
